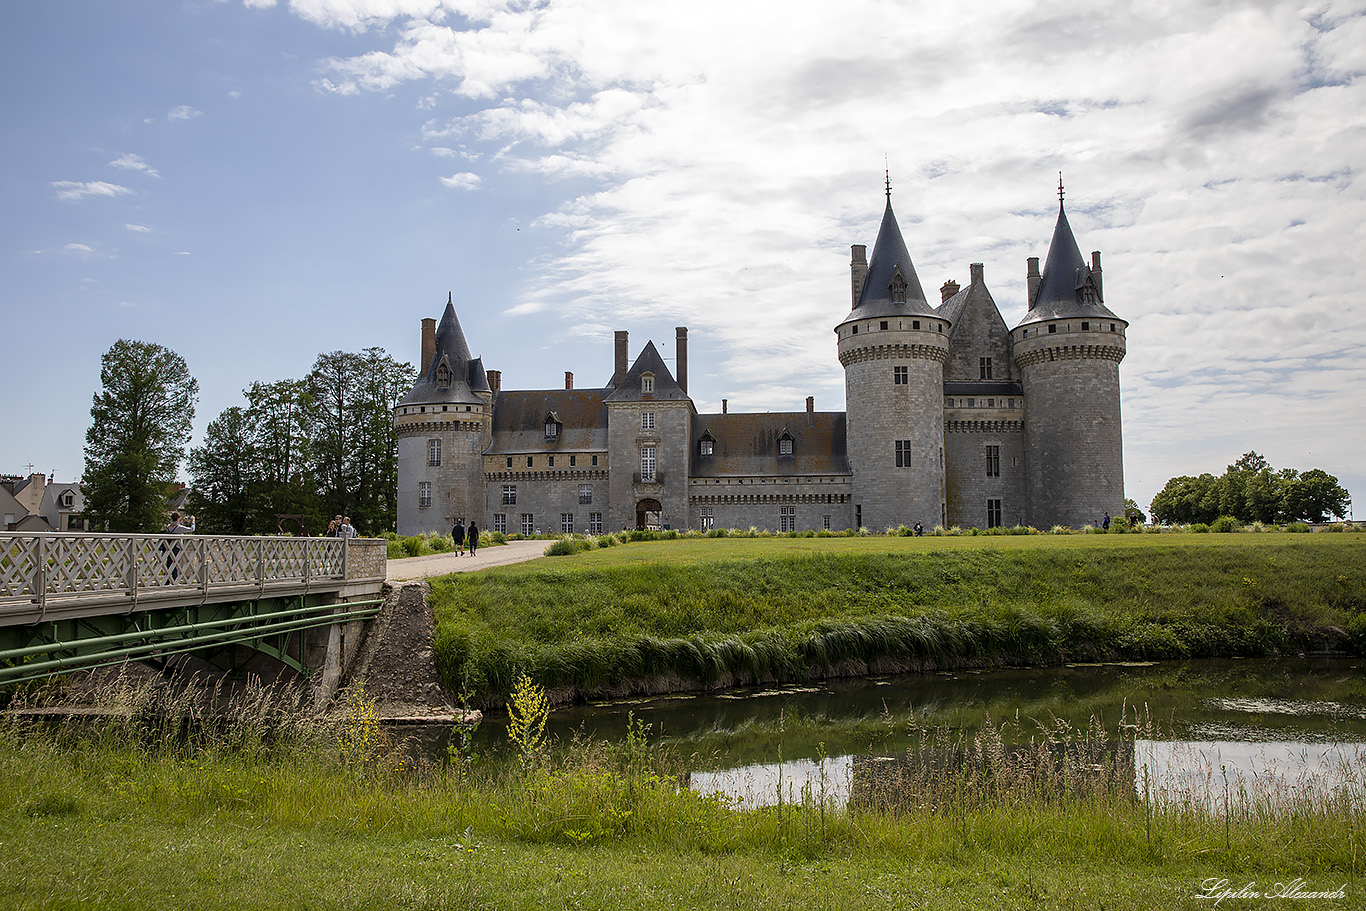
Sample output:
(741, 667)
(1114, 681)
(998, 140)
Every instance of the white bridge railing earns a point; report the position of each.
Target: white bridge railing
(39, 571)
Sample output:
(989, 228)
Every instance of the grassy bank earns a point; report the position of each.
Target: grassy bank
(693, 613)
(129, 819)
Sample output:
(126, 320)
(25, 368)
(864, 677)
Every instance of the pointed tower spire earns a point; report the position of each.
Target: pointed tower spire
(891, 286)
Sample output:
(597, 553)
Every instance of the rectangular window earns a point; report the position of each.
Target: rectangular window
(549, 461)
(984, 368)
(500, 522)
(993, 513)
(972, 403)
(1052, 327)
(1085, 325)
(647, 385)
(647, 463)
(595, 461)
(585, 494)
(707, 516)
(508, 464)
(784, 447)
(787, 517)
(993, 461)
(903, 453)
(433, 453)
(858, 516)
(566, 523)
(647, 420)
(825, 522)
(573, 460)
(528, 461)
(915, 324)
(509, 494)
(528, 524)
(595, 523)
(706, 447)
(552, 430)
(424, 494)
(899, 375)
(883, 326)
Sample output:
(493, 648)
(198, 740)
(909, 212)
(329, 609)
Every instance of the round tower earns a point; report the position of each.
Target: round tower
(892, 346)
(443, 426)
(1068, 348)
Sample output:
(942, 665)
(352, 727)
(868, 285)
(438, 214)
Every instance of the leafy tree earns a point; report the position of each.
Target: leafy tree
(140, 425)
(225, 474)
(1132, 511)
(281, 415)
(1315, 495)
(1185, 499)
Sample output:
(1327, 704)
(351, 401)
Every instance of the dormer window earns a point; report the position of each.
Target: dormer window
(552, 426)
(706, 447)
(443, 373)
(647, 384)
(785, 445)
(898, 287)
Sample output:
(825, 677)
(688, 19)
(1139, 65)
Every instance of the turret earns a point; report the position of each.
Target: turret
(1068, 348)
(892, 346)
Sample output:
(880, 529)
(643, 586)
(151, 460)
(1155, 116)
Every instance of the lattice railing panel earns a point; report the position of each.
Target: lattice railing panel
(18, 565)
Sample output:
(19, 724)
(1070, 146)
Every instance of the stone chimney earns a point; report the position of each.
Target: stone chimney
(681, 349)
(1032, 279)
(568, 380)
(619, 376)
(976, 271)
(858, 269)
(428, 344)
(495, 381)
(810, 409)
(1095, 270)
(948, 290)
(723, 406)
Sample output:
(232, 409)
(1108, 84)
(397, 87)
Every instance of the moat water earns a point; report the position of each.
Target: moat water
(1204, 727)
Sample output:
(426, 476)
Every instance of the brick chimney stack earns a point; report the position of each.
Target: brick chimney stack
(568, 380)
(495, 381)
(619, 376)
(681, 348)
(858, 269)
(428, 344)
(1032, 279)
(723, 406)
(948, 290)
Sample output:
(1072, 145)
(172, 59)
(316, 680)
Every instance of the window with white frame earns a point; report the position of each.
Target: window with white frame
(825, 522)
(433, 453)
(509, 494)
(424, 494)
(706, 447)
(647, 463)
(528, 524)
(552, 430)
(500, 522)
(647, 384)
(595, 523)
(647, 420)
(566, 523)
(900, 376)
(707, 516)
(785, 447)
(903, 453)
(585, 494)
(787, 515)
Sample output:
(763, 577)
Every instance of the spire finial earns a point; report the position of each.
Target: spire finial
(888, 173)
(1060, 189)
(448, 297)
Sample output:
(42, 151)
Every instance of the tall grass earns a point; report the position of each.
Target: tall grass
(600, 622)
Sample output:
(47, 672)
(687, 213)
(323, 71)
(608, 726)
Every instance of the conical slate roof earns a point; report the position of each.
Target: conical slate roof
(453, 376)
(1063, 288)
(890, 264)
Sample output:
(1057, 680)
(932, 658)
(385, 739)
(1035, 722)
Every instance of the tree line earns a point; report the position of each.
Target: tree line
(314, 447)
(1251, 490)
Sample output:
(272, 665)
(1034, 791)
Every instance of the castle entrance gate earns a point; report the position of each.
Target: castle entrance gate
(649, 515)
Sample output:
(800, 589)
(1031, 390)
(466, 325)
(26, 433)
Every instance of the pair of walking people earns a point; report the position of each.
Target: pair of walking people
(463, 536)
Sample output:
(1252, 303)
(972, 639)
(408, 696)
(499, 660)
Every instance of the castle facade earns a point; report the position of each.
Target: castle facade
(952, 418)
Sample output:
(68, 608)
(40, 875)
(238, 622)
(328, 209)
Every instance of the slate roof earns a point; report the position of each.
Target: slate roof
(467, 374)
(519, 421)
(666, 387)
(1061, 287)
(747, 444)
(889, 258)
(976, 330)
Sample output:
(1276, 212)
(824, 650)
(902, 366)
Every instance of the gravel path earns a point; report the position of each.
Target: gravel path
(444, 564)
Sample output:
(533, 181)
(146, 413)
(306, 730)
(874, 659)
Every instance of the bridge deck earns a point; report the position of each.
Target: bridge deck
(52, 576)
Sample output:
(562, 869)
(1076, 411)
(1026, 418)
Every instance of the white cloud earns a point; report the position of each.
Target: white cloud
(137, 229)
(82, 249)
(132, 162)
(462, 181)
(75, 190)
(181, 253)
(183, 112)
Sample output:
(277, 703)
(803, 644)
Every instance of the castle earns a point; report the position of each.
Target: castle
(952, 419)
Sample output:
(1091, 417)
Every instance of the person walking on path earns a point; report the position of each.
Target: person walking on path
(473, 534)
(458, 535)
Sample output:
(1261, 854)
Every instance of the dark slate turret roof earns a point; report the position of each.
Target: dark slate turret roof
(889, 257)
(1062, 287)
(746, 445)
(666, 387)
(466, 374)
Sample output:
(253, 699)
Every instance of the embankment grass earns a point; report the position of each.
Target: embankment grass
(105, 817)
(693, 613)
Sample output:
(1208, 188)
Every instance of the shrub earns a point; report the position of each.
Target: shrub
(1199, 528)
(1226, 524)
(498, 537)
(567, 546)
(1297, 527)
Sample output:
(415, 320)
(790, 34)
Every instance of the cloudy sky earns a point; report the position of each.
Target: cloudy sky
(253, 182)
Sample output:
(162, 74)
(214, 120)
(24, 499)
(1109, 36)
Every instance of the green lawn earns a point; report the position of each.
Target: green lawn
(715, 611)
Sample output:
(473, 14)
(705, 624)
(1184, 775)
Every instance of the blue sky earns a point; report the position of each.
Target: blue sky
(253, 183)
